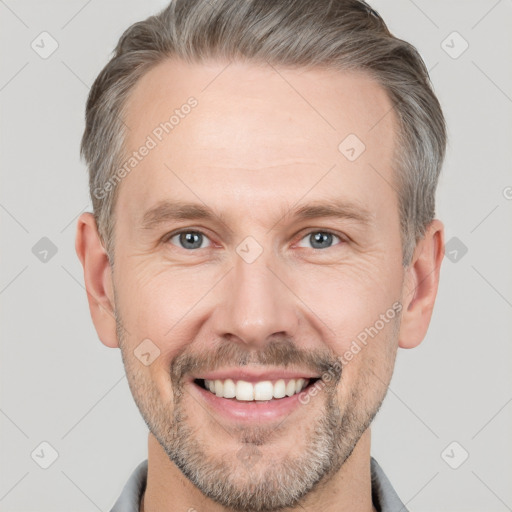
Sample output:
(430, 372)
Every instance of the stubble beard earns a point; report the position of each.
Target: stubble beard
(246, 478)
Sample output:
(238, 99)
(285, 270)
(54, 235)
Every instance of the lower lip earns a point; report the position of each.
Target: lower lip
(249, 411)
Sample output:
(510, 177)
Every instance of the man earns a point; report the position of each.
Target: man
(263, 178)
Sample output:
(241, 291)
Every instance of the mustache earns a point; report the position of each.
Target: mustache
(278, 352)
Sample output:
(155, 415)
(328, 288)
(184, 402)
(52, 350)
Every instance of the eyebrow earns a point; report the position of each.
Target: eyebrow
(167, 211)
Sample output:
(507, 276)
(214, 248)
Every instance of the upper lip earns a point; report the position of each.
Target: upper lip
(255, 375)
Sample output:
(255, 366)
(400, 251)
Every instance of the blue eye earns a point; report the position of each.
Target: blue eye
(190, 239)
(320, 239)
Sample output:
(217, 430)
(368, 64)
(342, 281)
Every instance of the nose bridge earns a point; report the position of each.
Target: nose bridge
(256, 303)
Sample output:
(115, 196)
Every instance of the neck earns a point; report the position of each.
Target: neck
(168, 490)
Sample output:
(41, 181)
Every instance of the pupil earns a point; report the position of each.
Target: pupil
(191, 238)
(319, 237)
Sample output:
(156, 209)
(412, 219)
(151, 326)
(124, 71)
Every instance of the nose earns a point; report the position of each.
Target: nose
(255, 304)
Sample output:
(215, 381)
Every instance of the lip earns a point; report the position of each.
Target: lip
(249, 412)
(254, 375)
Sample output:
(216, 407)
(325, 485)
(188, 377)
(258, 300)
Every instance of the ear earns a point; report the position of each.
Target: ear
(98, 279)
(420, 286)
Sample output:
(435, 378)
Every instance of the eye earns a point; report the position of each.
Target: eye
(192, 239)
(189, 239)
(320, 239)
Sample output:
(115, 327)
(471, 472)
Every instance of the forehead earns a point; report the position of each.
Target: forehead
(243, 135)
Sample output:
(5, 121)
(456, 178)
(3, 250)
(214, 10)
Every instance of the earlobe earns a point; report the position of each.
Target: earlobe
(420, 286)
(97, 278)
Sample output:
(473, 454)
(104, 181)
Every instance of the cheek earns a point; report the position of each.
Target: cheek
(367, 367)
(158, 297)
(349, 299)
(357, 310)
(153, 305)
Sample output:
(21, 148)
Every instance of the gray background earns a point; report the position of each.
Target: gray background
(62, 386)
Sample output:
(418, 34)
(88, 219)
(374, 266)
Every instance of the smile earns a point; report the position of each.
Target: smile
(263, 390)
(251, 394)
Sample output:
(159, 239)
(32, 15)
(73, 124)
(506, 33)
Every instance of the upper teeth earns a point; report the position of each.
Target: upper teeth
(263, 390)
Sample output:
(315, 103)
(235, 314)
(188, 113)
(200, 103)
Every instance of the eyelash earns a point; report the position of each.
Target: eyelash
(169, 236)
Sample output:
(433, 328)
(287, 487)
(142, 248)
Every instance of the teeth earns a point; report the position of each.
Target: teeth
(279, 389)
(229, 389)
(244, 391)
(262, 391)
(219, 388)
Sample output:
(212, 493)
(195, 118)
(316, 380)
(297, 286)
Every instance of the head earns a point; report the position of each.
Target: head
(263, 180)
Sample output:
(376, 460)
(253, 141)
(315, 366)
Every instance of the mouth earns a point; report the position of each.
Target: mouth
(259, 391)
(250, 399)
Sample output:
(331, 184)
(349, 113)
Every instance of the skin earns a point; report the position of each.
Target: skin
(261, 142)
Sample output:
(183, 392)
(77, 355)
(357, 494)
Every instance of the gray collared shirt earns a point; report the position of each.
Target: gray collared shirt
(384, 497)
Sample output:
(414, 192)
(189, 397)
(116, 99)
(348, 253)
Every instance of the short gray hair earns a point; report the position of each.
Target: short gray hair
(340, 34)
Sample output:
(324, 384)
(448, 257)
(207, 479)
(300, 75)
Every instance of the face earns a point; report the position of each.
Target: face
(257, 276)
